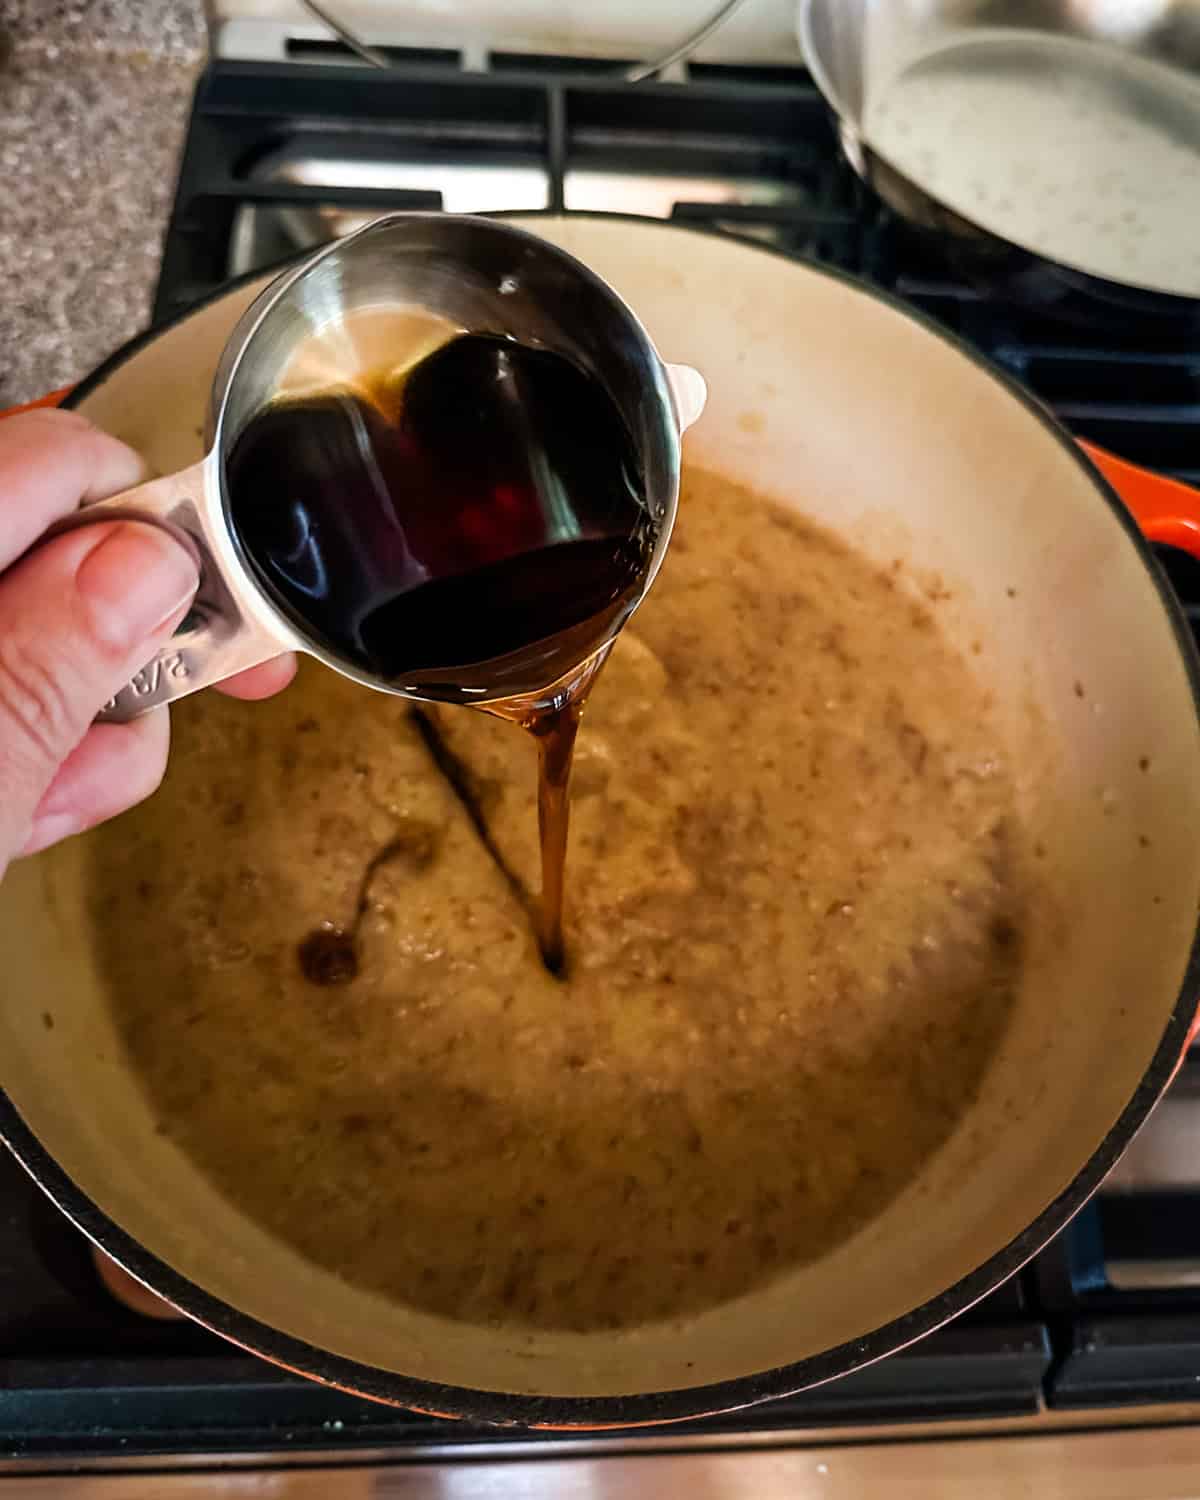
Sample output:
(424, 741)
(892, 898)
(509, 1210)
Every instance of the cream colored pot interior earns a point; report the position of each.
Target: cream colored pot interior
(838, 405)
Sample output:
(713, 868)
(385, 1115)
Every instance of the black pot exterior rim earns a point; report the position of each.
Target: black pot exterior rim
(645, 1408)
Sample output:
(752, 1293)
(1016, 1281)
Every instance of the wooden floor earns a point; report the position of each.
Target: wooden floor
(1133, 1464)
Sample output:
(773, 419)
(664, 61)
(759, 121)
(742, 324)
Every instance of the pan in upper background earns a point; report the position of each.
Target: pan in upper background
(1054, 144)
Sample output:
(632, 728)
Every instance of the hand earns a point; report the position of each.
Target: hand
(79, 615)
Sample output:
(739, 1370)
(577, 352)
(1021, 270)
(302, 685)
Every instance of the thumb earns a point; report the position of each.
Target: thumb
(79, 615)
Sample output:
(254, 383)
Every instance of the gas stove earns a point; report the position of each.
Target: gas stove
(281, 155)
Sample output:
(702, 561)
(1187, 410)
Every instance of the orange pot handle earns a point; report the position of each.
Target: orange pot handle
(55, 398)
(1166, 510)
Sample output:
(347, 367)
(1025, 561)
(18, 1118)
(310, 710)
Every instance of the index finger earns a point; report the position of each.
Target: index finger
(50, 461)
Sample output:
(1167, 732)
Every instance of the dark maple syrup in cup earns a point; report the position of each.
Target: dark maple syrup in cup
(472, 529)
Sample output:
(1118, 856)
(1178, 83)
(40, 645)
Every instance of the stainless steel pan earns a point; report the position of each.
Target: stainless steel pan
(1054, 145)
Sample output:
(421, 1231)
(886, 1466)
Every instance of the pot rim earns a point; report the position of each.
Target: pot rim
(679, 1404)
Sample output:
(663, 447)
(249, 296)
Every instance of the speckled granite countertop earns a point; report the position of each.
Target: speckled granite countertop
(94, 100)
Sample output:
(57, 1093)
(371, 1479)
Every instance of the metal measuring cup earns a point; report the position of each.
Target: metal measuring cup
(401, 285)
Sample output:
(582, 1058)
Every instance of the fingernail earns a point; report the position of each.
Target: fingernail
(133, 581)
(51, 828)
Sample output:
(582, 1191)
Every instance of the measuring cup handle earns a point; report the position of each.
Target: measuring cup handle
(218, 636)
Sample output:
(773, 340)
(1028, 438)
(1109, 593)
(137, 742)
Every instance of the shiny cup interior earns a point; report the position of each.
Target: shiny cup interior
(415, 280)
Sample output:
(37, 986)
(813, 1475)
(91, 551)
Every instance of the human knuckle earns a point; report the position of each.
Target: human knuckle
(35, 706)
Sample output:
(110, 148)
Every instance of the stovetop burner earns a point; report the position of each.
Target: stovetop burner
(280, 157)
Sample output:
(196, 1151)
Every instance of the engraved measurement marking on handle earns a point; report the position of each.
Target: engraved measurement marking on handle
(146, 682)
